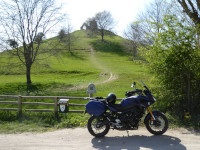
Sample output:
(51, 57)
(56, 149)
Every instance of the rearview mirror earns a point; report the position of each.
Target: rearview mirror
(133, 84)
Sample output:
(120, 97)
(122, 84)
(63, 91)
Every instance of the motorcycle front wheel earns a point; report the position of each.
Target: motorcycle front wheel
(97, 126)
(158, 126)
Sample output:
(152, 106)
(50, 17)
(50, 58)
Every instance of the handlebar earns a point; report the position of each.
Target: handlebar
(137, 91)
(130, 93)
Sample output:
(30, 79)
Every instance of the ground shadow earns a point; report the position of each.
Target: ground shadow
(109, 47)
(76, 56)
(163, 142)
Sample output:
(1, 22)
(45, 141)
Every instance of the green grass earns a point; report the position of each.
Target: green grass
(39, 122)
(60, 75)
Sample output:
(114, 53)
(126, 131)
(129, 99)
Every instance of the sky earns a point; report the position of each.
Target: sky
(123, 11)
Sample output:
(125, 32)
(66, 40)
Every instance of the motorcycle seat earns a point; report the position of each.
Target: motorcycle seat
(118, 107)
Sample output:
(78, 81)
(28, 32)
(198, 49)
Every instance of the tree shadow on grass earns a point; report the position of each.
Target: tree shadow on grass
(109, 47)
(76, 56)
(137, 142)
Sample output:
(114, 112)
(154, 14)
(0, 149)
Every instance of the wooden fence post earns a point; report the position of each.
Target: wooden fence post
(20, 105)
(56, 106)
(90, 95)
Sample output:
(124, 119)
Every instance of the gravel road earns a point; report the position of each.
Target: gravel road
(80, 139)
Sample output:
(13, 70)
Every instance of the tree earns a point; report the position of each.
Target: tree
(134, 35)
(12, 43)
(176, 61)
(192, 9)
(26, 22)
(62, 34)
(65, 36)
(39, 37)
(152, 17)
(105, 22)
(69, 36)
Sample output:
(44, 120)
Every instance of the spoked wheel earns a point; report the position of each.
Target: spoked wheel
(158, 126)
(97, 127)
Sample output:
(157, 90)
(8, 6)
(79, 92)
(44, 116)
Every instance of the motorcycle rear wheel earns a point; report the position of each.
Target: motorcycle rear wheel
(97, 127)
(158, 126)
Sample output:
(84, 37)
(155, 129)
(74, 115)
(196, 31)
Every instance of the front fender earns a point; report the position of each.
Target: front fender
(148, 116)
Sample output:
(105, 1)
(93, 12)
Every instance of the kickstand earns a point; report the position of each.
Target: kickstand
(127, 132)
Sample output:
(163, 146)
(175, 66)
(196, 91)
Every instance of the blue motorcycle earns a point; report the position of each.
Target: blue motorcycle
(105, 114)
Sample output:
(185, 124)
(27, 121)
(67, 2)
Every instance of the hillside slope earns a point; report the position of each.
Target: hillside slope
(69, 73)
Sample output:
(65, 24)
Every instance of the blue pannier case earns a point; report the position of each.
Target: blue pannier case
(95, 108)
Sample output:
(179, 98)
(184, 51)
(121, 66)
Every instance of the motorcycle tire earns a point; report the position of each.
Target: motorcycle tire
(159, 126)
(97, 127)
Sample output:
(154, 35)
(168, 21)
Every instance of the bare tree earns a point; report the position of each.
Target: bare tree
(152, 17)
(192, 9)
(133, 34)
(23, 26)
(65, 36)
(69, 36)
(136, 38)
(105, 22)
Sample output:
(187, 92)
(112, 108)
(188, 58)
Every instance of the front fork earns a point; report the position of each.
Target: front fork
(152, 116)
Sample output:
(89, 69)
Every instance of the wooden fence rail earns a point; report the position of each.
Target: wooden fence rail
(20, 102)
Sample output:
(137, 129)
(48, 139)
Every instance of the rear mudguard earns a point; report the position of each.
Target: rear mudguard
(148, 116)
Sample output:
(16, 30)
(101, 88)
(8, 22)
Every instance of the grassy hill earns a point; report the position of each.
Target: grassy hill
(106, 64)
(60, 74)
